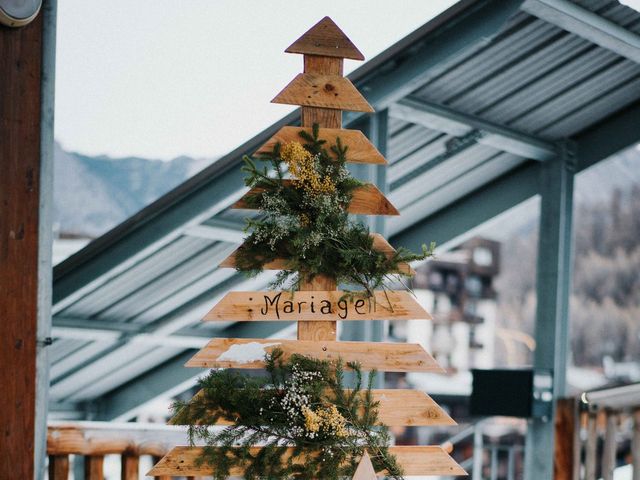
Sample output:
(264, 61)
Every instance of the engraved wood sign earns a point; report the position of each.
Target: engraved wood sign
(317, 307)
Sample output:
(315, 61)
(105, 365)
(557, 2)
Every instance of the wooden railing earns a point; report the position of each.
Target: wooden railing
(591, 431)
(94, 440)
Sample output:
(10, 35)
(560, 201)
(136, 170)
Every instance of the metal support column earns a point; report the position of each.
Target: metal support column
(376, 129)
(553, 289)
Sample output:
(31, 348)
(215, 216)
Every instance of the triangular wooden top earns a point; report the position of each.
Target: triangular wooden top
(325, 91)
(325, 38)
(365, 470)
(361, 150)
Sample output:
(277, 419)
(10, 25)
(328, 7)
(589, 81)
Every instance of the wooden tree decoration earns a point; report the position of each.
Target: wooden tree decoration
(323, 93)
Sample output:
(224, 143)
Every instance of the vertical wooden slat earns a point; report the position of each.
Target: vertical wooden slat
(93, 467)
(58, 467)
(317, 330)
(635, 445)
(324, 117)
(579, 420)
(564, 439)
(129, 467)
(20, 94)
(609, 450)
(591, 447)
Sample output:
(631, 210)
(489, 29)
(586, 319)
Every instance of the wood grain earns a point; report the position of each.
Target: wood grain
(379, 244)
(431, 460)
(315, 306)
(326, 91)
(325, 38)
(74, 440)
(129, 466)
(94, 467)
(365, 470)
(361, 150)
(20, 67)
(366, 200)
(383, 356)
(327, 117)
(398, 407)
(322, 330)
(58, 467)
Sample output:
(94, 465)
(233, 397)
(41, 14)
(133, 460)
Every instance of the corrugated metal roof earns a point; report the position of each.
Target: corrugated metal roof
(117, 319)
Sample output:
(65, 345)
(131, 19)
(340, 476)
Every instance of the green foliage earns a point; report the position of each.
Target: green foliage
(301, 404)
(311, 228)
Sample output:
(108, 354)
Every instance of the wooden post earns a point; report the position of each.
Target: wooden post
(327, 118)
(565, 434)
(591, 446)
(610, 444)
(20, 100)
(59, 467)
(93, 467)
(635, 445)
(129, 467)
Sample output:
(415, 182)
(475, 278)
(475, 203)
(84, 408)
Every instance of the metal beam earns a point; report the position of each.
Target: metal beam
(481, 205)
(588, 25)
(453, 34)
(220, 230)
(553, 288)
(447, 120)
(47, 103)
(612, 135)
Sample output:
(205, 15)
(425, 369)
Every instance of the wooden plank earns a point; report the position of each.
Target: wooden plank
(366, 200)
(361, 150)
(129, 466)
(326, 91)
(94, 467)
(314, 306)
(20, 67)
(58, 467)
(249, 353)
(398, 408)
(379, 244)
(564, 439)
(326, 117)
(325, 330)
(74, 440)
(414, 460)
(325, 38)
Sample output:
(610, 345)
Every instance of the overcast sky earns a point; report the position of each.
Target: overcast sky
(163, 78)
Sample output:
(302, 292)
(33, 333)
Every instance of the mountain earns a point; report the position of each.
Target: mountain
(93, 194)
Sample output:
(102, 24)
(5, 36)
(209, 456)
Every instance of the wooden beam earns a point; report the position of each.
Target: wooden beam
(398, 408)
(431, 460)
(361, 150)
(315, 306)
(249, 353)
(366, 200)
(20, 101)
(324, 91)
(75, 440)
